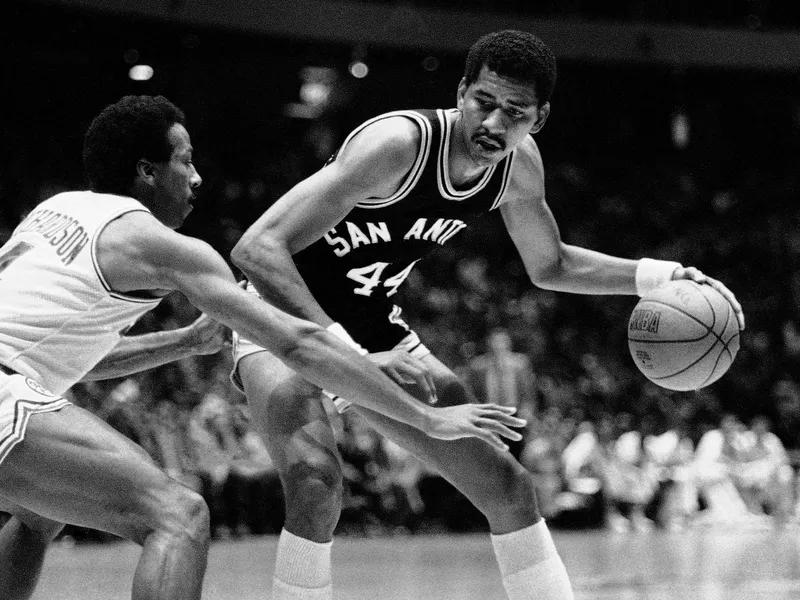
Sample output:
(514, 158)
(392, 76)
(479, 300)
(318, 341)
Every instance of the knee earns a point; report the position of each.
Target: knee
(511, 495)
(183, 513)
(313, 491)
(517, 487)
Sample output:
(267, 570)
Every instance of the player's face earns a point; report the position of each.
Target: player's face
(497, 114)
(175, 180)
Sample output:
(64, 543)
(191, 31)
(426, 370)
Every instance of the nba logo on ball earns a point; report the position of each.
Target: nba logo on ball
(683, 336)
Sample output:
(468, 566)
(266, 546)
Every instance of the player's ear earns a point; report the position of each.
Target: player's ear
(462, 89)
(145, 170)
(541, 116)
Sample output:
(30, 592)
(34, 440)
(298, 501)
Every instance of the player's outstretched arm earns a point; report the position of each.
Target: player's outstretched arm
(146, 255)
(554, 265)
(137, 353)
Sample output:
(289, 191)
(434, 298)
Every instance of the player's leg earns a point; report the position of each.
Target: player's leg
(499, 487)
(292, 419)
(24, 540)
(72, 467)
(492, 480)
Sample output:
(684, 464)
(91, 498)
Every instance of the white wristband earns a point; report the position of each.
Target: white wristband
(652, 274)
(340, 332)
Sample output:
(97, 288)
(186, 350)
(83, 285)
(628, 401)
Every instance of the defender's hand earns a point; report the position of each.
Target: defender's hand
(699, 277)
(207, 336)
(488, 422)
(406, 370)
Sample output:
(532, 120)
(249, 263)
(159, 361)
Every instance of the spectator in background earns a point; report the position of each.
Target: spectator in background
(582, 464)
(212, 444)
(629, 476)
(671, 452)
(763, 475)
(785, 400)
(716, 455)
(544, 444)
(128, 413)
(579, 454)
(398, 482)
(171, 443)
(502, 376)
(241, 485)
(257, 484)
(362, 455)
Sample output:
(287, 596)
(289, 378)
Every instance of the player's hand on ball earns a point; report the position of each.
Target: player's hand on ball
(207, 336)
(406, 370)
(489, 422)
(698, 276)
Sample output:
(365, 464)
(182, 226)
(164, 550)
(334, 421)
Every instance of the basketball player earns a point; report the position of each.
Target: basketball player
(335, 249)
(78, 271)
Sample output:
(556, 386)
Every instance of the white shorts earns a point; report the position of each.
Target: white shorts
(20, 397)
(243, 347)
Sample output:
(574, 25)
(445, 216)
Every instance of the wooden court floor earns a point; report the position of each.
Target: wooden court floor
(702, 564)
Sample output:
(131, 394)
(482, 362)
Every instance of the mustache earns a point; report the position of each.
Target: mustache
(487, 136)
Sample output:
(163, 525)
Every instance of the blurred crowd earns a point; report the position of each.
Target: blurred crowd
(631, 476)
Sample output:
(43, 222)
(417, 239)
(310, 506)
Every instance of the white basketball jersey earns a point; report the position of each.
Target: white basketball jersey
(58, 316)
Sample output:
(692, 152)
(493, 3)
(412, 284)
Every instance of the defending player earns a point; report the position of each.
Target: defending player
(336, 248)
(78, 271)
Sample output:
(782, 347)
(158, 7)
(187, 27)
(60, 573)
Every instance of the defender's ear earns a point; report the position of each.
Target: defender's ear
(145, 170)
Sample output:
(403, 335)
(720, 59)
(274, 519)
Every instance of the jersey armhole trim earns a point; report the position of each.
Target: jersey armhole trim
(509, 167)
(417, 168)
(96, 264)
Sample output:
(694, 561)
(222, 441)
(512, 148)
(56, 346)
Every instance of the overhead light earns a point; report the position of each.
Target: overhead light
(358, 69)
(141, 72)
(681, 130)
(315, 92)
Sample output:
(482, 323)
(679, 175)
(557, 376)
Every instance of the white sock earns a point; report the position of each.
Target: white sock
(530, 565)
(302, 569)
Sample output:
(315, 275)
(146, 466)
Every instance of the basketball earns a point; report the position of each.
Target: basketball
(683, 336)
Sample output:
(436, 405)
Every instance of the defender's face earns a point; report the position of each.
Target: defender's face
(175, 180)
(497, 114)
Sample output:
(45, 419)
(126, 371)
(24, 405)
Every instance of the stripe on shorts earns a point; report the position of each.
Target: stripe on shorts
(22, 412)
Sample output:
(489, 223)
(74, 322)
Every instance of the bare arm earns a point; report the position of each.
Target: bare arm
(549, 262)
(137, 353)
(137, 252)
(554, 265)
(372, 165)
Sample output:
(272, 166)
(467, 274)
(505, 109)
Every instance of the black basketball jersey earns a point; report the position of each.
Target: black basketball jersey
(357, 267)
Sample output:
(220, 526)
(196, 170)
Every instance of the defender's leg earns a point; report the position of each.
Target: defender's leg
(24, 540)
(73, 468)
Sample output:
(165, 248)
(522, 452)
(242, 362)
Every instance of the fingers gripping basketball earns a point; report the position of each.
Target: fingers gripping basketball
(683, 336)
